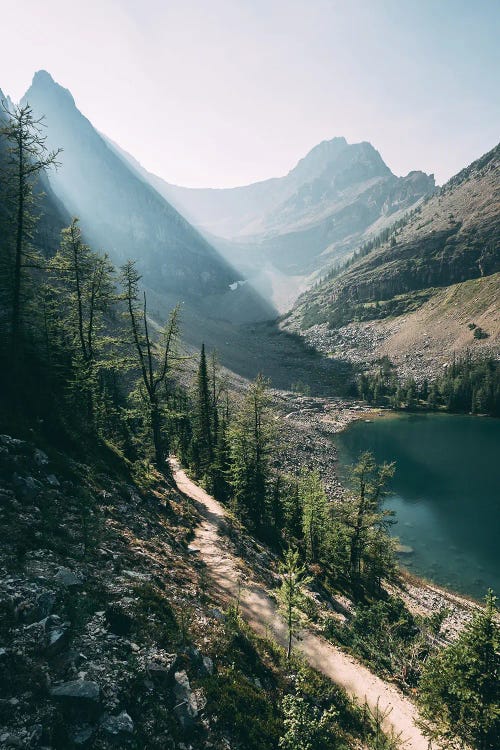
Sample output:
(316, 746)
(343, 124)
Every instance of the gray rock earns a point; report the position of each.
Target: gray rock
(10, 442)
(207, 667)
(8, 739)
(53, 480)
(217, 614)
(57, 640)
(27, 487)
(67, 578)
(162, 669)
(45, 603)
(118, 727)
(81, 691)
(82, 735)
(186, 708)
(41, 458)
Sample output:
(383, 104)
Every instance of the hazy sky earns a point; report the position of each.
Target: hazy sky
(226, 92)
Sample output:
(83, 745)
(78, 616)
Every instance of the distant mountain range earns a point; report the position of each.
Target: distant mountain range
(285, 231)
(422, 292)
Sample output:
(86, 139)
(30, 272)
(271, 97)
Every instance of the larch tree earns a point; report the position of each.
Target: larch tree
(316, 520)
(290, 593)
(251, 440)
(27, 157)
(155, 362)
(203, 421)
(365, 513)
(460, 686)
(81, 293)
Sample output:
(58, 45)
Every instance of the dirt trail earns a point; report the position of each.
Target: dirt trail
(260, 611)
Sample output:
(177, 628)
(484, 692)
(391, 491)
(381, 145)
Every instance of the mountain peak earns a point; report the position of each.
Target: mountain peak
(42, 77)
(44, 83)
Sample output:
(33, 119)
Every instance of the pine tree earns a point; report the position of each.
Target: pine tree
(27, 157)
(251, 441)
(365, 515)
(80, 292)
(154, 363)
(315, 516)
(460, 686)
(203, 421)
(290, 594)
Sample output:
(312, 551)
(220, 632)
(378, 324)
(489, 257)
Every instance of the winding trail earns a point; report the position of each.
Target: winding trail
(260, 611)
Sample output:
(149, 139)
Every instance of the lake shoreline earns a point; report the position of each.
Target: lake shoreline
(308, 425)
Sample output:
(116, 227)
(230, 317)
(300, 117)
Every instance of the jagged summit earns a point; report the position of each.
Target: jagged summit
(326, 155)
(43, 84)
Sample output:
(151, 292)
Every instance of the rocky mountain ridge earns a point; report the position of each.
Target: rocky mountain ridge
(284, 231)
(427, 287)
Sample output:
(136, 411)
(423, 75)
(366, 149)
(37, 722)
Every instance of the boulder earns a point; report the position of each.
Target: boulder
(161, 669)
(81, 692)
(82, 735)
(118, 728)
(45, 603)
(186, 708)
(27, 488)
(41, 458)
(57, 640)
(207, 667)
(67, 578)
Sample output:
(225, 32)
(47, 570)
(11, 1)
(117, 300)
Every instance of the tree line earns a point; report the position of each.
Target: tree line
(466, 385)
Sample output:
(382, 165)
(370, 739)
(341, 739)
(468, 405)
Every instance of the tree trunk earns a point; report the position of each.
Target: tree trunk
(16, 302)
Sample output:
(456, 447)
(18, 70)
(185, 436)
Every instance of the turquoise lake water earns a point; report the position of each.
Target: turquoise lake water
(446, 493)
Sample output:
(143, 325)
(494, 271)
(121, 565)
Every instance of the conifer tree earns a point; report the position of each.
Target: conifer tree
(154, 363)
(27, 157)
(365, 514)
(251, 440)
(290, 594)
(80, 294)
(202, 421)
(460, 686)
(315, 516)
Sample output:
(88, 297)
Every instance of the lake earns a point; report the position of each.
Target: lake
(446, 493)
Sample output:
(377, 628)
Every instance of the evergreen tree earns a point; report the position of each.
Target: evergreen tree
(292, 511)
(251, 441)
(460, 686)
(365, 515)
(80, 294)
(315, 516)
(27, 157)
(202, 422)
(290, 594)
(154, 363)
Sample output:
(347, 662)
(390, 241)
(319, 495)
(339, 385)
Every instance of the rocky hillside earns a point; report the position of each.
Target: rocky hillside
(283, 230)
(109, 632)
(427, 289)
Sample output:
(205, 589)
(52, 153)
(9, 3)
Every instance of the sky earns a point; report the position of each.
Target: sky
(218, 93)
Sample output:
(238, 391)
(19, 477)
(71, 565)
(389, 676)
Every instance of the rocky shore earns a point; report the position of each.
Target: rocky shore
(306, 427)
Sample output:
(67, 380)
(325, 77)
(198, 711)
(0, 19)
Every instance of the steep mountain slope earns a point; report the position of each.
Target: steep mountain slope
(284, 231)
(120, 212)
(401, 287)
